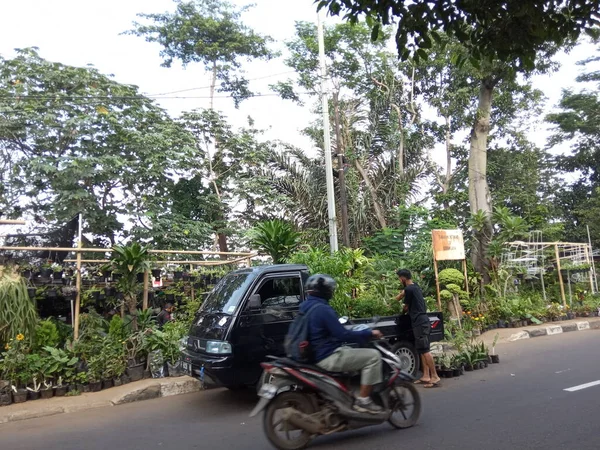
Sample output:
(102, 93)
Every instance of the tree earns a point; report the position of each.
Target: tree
(209, 32)
(378, 138)
(76, 140)
(505, 30)
(499, 38)
(577, 124)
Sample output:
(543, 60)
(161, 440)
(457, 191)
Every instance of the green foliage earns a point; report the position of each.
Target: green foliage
(488, 32)
(74, 137)
(46, 335)
(276, 237)
(130, 260)
(17, 312)
(116, 328)
(451, 277)
(209, 32)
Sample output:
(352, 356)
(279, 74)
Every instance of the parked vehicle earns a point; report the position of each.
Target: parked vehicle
(303, 401)
(246, 316)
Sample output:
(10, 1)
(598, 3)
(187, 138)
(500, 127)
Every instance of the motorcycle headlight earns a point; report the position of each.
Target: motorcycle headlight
(218, 347)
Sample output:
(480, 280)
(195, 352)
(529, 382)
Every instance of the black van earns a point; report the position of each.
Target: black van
(246, 317)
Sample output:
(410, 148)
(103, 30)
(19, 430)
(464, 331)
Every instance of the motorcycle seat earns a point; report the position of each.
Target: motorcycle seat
(290, 362)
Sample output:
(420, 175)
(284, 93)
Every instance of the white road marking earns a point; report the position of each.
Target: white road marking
(520, 335)
(582, 386)
(563, 371)
(583, 326)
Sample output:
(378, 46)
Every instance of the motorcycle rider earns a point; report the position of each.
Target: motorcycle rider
(326, 336)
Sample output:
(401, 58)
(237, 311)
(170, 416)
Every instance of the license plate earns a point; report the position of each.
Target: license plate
(187, 367)
(267, 391)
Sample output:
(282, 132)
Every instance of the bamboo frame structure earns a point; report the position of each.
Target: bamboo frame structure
(558, 247)
(241, 257)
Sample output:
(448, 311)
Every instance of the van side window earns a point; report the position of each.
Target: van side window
(280, 295)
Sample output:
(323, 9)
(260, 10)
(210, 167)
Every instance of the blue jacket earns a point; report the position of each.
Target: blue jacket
(326, 333)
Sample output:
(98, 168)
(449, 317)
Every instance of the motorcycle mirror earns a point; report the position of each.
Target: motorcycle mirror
(343, 320)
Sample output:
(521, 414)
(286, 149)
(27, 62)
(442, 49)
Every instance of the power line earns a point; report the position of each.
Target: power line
(131, 97)
(208, 87)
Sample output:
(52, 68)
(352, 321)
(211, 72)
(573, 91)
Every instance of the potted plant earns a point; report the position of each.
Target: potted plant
(493, 357)
(82, 382)
(57, 272)
(46, 270)
(94, 373)
(106, 270)
(134, 346)
(178, 273)
(5, 393)
(59, 364)
(129, 261)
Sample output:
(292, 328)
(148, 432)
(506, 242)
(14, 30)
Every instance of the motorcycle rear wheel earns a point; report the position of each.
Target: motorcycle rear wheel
(403, 398)
(298, 401)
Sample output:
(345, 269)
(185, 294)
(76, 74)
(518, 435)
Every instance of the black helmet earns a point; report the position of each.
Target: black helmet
(321, 285)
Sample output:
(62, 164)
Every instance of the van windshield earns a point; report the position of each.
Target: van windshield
(227, 295)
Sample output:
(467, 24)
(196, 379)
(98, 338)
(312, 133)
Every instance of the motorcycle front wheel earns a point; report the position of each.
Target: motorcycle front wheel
(405, 402)
(283, 435)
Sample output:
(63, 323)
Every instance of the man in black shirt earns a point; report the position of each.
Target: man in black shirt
(165, 315)
(415, 306)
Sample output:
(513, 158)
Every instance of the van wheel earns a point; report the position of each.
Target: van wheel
(408, 355)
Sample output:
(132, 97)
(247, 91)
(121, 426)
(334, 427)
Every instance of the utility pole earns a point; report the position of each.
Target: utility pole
(333, 240)
(341, 174)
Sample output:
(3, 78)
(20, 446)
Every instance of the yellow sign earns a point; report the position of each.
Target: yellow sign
(448, 245)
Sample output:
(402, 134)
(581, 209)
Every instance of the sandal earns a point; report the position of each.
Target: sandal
(432, 385)
(421, 382)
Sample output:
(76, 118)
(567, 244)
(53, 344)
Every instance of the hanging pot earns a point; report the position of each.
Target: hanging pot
(106, 274)
(177, 276)
(31, 291)
(156, 274)
(116, 276)
(26, 274)
(51, 293)
(46, 273)
(140, 277)
(57, 275)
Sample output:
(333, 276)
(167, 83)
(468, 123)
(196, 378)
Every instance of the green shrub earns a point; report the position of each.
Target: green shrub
(451, 276)
(46, 335)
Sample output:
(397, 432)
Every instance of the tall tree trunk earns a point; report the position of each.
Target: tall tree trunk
(213, 83)
(342, 176)
(479, 194)
(376, 206)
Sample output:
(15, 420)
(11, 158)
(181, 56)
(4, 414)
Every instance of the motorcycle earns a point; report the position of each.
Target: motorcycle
(302, 401)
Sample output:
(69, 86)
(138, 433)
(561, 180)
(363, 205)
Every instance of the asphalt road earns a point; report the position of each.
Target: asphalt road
(518, 404)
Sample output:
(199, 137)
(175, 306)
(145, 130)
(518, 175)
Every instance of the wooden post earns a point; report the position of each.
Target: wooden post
(560, 278)
(78, 297)
(437, 283)
(466, 276)
(249, 262)
(587, 260)
(145, 295)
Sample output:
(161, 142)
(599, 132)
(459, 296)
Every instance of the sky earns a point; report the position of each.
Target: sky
(80, 32)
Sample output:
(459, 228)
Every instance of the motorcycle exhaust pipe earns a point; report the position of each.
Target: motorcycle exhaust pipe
(302, 421)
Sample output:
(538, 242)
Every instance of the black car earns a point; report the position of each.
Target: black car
(246, 316)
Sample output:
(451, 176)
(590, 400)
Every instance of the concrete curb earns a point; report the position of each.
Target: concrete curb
(129, 393)
(552, 330)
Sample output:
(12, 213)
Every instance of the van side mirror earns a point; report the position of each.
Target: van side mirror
(254, 302)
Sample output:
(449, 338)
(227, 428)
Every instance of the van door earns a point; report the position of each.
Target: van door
(261, 332)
